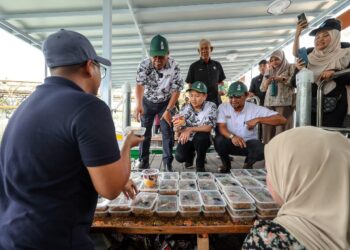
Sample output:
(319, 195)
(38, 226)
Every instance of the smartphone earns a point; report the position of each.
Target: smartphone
(302, 54)
(302, 17)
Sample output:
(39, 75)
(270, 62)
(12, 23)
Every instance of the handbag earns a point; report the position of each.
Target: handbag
(329, 103)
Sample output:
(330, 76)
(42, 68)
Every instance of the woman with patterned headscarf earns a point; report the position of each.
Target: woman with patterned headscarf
(279, 92)
(311, 184)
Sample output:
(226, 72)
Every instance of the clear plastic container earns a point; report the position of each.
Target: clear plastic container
(144, 203)
(101, 214)
(256, 172)
(226, 182)
(212, 201)
(144, 188)
(102, 204)
(248, 182)
(220, 175)
(139, 131)
(188, 176)
(262, 198)
(121, 203)
(119, 213)
(167, 205)
(241, 219)
(207, 185)
(238, 198)
(239, 172)
(170, 175)
(188, 185)
(262, 217)
(205, 176)
(168, 187)
(214, 214)
(242, 212)
(189, 214)
(136, 176)
(189, 201)
(150, 177)
(267, 211)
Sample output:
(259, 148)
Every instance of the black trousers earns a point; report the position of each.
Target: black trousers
(254, 151)
(199, 145)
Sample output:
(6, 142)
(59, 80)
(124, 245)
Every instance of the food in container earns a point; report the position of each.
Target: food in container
(144, 203)
(242, 212)
(212, 201)
(101, 214)
(150, 177)
(214, 214)
(189, 214)
(170, 175)
(241, 219)
(102, 204)
(238, 198)
(189, 201)
(239, 172)
(167, 205)
(225, 182)
(144, 188)
(262, 198)
(256, 172)
(205, 176)
(187, 185)
(262, 217)
(121, 203)
(219, 175)
(139, 131)
(207, 185)
(248, 182)
(267, 211)
(181, 120)
(188, 176)
(119, 213)
(168, 187)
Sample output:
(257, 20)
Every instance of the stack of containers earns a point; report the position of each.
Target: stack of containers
(258, 174)
(248, 182)
(189, 203)
(144, 204)
(120, 207)
(213, 204)
(266, 207)
(101, 207)
(240, 205)
(188, 176)
(239, 172)
(167, 205)
(226, 182)
(170, 176)
(205, 176)
(188, 185)
(204, 185)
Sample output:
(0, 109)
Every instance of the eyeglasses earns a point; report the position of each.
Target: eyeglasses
(102, 69)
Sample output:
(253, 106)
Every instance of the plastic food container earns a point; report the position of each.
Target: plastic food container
(207, 185)
(189, 214)
(167, 205)
(144, 203)
(170, 175)
(262, 198)
(121, 203)
(139, 131)
(241, 219)
(256, 172)
(136, 176)
(188, 176)
(188, 185)
(150, 177)
(239, 172)
(226, 182)
(220, 175)
(242, 212)
(189, 201)
(261, 217)
(249, 182)
(214, 214)
(119, 213)
(144, 188)
(101, 214)
(168, 187)
(238, 198)
(205, 176)
(102, 204)
(212, 201)
(267, 212)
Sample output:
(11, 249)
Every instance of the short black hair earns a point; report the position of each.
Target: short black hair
(262, 62)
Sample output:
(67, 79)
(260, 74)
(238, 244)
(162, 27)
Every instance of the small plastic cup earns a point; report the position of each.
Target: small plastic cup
(180, 118)
(150, 177)
(139, 131)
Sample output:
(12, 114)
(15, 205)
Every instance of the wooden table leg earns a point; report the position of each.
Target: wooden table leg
(203, 241)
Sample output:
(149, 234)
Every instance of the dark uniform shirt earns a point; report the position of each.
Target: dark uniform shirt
(47, 199)
(210, 74)
(255, 88)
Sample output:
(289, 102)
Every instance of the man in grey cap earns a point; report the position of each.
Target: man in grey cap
(158, 86)
(58, 151)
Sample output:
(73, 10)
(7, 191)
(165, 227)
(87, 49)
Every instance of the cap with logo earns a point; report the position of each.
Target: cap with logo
(329, 24)
(159, 46)
(67, 47)
(237, 89)
(199, 87)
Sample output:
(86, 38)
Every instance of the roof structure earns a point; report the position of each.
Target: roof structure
(243, 26)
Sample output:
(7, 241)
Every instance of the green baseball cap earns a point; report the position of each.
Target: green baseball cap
(159, 46)
(237, 89)
(199, 87)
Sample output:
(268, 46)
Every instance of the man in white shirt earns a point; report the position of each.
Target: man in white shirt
(237, 122)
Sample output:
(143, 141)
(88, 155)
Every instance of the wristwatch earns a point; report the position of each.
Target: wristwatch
(231, 136)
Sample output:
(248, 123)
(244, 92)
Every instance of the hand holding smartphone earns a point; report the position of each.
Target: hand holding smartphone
(302, 18)
(302, 54)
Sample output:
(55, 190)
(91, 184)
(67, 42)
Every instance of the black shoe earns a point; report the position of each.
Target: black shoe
(168, 168)
(231, 158)
(248, 166)
(143, 165)
(188, 165)
(224, 170)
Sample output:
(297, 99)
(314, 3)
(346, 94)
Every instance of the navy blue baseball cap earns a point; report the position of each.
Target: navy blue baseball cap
(67, 47)
(329, 24)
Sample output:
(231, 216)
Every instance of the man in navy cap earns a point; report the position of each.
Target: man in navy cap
(58, 151)
(158, 87)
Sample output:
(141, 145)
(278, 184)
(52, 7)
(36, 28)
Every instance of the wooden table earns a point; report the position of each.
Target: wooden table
(201, 226)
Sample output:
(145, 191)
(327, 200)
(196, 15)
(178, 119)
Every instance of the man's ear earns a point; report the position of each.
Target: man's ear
(89, 68)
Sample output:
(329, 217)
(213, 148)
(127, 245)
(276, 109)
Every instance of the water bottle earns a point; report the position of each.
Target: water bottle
(304, 80)
(273, 88)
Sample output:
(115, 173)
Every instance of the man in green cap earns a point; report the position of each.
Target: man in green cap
(194, 125)
(237, 122)
(158, 87)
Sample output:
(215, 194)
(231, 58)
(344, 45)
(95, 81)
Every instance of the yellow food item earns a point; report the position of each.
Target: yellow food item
(149, 183)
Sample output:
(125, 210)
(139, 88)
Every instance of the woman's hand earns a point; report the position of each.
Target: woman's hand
(300, 27)
(299, 64)
(327, 74)
(185, 135)
(280, 78)
(130, 189)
